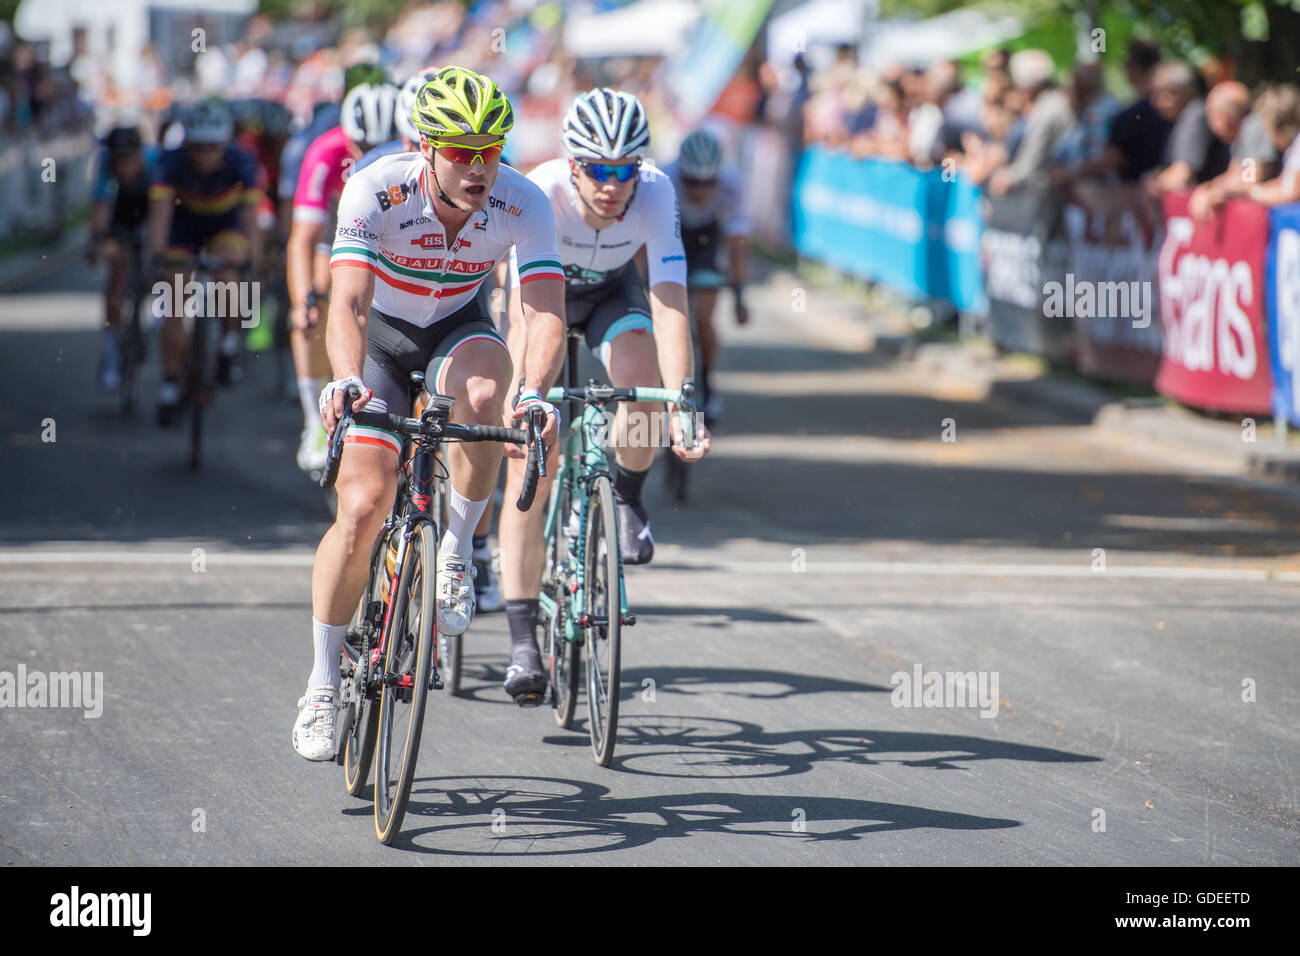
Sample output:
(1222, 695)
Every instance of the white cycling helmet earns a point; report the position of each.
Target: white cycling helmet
(367, 113)
(406, 104)
(606, 124)
(208, 122)
(700, 156)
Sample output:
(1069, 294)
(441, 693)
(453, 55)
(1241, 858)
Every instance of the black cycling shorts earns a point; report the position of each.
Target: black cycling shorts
(609, 309)
(396, 348)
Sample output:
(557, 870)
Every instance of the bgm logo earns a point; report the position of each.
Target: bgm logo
(430, 240)
(396, 195)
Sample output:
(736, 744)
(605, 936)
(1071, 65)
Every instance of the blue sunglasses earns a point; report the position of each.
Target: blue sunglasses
(603, 172)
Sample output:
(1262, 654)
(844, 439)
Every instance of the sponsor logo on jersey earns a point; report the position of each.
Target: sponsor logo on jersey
(673, 259)
(396, 195)
(417, 221)
(494, 203)
(430, 241)
(352, 232)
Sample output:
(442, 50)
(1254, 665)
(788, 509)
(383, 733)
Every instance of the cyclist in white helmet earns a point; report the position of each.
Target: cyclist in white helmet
(608, 209)
(711, 199)
(365, 120)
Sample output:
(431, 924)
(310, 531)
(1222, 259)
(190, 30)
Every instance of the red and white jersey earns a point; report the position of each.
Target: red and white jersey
(386, 224)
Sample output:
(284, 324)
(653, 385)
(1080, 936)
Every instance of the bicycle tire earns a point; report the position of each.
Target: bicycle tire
(405, 652)
(564, 658)
(359, 747)
(602, 571)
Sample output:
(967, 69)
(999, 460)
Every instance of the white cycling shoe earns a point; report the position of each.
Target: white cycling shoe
(456, 600)
(313, 731)
(313, 448)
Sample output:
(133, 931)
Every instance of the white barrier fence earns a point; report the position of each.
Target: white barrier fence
(42, 181)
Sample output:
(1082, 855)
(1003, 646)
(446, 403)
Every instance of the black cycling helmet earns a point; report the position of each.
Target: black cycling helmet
(122, 140)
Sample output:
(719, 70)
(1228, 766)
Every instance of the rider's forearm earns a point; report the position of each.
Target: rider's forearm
(345, 334)
(516, 331)
(99, 219)
(160, 224)
(738, 259)
(543, 350)
(672, 334)
(298, 261)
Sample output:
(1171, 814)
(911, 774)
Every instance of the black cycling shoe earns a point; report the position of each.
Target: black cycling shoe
(525, 680)
(634, 538)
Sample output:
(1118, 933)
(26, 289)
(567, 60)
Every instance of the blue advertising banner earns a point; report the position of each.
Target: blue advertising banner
(1282, 280)
(890, 223)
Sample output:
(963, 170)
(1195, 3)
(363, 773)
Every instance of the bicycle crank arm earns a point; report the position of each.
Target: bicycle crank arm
(588, 621)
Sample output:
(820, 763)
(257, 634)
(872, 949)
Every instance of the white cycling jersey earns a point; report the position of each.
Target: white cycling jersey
(726, 206)
(591, 257)
(386, 224)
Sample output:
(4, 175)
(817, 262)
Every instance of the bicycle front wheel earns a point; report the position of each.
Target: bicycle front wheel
(603, 589)
(404, 689)
(359, 747)
(199, 386)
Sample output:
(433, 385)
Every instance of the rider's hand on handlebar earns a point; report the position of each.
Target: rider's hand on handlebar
(331, 400)
(514, 415)
(701, 435)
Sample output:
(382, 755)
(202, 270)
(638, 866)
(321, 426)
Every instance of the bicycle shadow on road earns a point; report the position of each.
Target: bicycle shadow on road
(549, 816)
(709, 747)
(688, 681)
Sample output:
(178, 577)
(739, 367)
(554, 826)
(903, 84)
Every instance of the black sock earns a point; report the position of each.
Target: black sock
(522, 617)
(628, 484)
(706, 385)
(480, 541)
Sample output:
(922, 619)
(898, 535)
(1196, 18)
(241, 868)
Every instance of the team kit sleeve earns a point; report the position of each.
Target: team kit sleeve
(665, 255)
(536, 254)
(313, 178)
(356, 240)
(250, 174)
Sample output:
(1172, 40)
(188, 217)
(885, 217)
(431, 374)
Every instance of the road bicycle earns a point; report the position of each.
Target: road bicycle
(390, 658)
(583, 602)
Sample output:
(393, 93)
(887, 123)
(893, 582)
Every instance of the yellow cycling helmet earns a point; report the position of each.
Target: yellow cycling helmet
(457, 102)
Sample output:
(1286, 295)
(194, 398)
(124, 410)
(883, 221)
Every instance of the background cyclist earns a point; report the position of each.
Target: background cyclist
(204, 196)
(710, 196)
(607, 208)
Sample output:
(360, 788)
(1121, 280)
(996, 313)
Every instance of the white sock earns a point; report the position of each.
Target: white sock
(309, 390)
(328, 641)
(462, 518)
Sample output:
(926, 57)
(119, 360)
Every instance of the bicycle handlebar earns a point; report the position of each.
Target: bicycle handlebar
(601, 394)
(415, 427)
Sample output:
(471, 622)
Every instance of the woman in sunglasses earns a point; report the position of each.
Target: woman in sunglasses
(608, 208)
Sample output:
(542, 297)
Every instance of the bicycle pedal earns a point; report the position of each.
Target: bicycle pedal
(529, 700)
(627, 619)
(435, 682)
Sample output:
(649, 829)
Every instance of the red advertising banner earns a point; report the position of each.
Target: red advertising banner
(1211, 278)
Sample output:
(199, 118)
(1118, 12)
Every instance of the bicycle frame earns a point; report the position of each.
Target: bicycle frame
(582, 459)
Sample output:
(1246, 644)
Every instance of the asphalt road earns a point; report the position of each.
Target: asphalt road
(833, 540)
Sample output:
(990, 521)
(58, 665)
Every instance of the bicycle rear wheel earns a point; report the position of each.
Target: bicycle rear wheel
(408, 660)
(359, 745)
(603, 588)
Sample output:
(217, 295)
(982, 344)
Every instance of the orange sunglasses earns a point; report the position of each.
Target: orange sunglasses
(459, 153)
